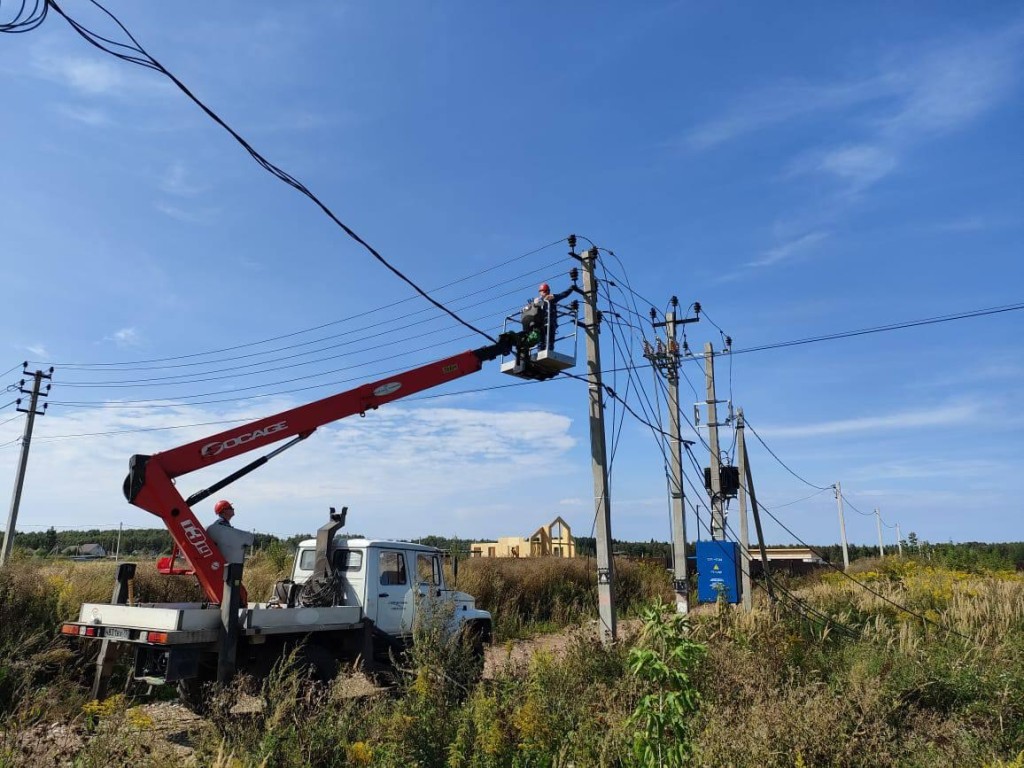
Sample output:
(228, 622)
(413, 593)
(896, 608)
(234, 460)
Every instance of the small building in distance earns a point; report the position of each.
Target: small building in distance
(796, 561)
(85, 552)
(551, 540)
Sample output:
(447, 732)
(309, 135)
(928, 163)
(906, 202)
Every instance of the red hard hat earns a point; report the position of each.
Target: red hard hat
(223, 506)
(544, 288)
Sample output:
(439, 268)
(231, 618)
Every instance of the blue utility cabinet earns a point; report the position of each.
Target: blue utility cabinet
(718, 571)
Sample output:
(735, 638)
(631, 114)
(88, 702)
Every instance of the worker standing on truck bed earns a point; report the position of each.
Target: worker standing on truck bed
(231, 541)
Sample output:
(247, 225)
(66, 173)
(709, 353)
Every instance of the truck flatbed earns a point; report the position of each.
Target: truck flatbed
(179, 623)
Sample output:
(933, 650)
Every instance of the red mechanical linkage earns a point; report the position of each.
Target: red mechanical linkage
(150, 481)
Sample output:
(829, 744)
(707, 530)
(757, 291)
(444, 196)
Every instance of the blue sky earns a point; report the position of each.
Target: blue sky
(799, 169)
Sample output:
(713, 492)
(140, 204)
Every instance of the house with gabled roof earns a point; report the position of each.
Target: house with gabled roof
(551, 540)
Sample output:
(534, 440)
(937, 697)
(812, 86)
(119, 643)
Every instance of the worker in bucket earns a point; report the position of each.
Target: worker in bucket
(231, 541)
(549, 301)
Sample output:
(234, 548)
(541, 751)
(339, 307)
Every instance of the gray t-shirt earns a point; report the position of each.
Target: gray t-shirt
(231, 541)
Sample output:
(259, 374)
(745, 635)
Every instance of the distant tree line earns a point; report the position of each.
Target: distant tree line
(967, 556)
(144, 541)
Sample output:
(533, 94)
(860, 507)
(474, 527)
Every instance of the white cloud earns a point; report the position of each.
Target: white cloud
(85, 115)
(785, 103)
(935, 417)
(916, 95)
(87, 75)
(789, 250)
(175, 181)
(125, 337)
(961, 469)
(38, 350)
(953, 84)
(861, 165)
(940, 87)
(404, 471)
(196, 216)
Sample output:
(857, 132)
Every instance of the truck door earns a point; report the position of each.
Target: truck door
(428, 578)
(394, 592)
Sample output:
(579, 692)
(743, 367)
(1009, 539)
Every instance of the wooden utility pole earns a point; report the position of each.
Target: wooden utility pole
(878, 523)
(664, 356)
(717, 502)
(598, 452)
(838, 488)
(741, 453)
(26, 442)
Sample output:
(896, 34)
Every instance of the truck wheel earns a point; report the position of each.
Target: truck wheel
(195, 694)
(321, 664)
(476, 637)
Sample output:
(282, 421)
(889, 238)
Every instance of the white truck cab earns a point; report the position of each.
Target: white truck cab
(392, 582)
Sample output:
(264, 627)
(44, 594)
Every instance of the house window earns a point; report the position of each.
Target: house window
(392, 568)
(490, 551)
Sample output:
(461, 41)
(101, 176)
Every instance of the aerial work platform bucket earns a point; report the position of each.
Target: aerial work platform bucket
(543, 361)
(541, 365)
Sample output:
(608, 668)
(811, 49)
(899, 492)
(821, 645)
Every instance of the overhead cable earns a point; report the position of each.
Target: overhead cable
(883, 328)
(132, 365)
(146, 60)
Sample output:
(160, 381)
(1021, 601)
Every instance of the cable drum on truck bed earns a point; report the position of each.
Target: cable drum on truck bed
(319, 591)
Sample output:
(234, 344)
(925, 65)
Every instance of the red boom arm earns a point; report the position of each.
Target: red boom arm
(150, 485)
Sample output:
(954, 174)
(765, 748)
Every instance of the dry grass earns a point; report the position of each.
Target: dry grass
(530, 594)
(775, 688)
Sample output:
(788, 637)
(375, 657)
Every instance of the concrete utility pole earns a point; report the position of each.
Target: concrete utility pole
(878, 522)
(26, 441)
(838, 488)
(598, 452)
(665, 358)
(748, 475)
(741, 453)
(899, 540)
(717, 502)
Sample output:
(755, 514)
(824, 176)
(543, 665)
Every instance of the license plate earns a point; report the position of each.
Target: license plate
(118, 633)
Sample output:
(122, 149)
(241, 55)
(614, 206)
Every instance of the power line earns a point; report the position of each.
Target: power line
(863, 585)
(8, 421)
(854, 508)
(795, 501)
(883, 328)
(785, 466)
(435, 396)
(14, 368)
(26, 21)
(802, 607)
(255, 367)
(133, 365)
(146, 60)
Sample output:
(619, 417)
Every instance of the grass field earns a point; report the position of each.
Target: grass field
(877, 686)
